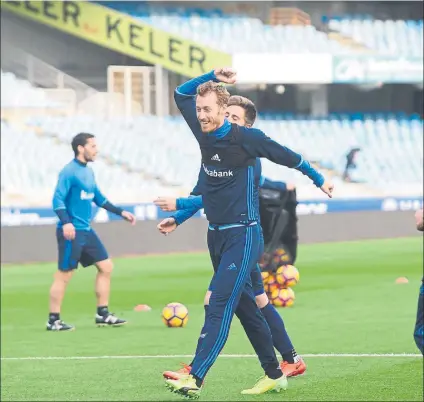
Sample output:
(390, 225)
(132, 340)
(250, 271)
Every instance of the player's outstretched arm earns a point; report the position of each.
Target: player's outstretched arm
(259, 145)
(184, 95)
(225, 75)
(170, 204)
(272, 185)
(183, 215)
(185, 207)
(194, 201)
(170, 224)
(63, 186)
(101, 201)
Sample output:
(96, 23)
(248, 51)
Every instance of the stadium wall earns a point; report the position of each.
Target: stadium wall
(38, 244)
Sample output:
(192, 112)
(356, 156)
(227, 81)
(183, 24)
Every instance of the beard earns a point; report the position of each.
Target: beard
(89, 158)
(209, 126)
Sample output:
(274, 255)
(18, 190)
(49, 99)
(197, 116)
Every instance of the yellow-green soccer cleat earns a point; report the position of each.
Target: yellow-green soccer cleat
(185, 386)
(266, 384)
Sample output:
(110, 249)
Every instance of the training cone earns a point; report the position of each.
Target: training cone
(142, 307)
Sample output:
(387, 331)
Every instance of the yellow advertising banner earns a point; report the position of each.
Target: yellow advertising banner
(122, 33)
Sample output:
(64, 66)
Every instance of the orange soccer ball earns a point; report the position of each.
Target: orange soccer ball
(282, 297)
(287, 276)
(280, 257)
(175, 315)
(271, 284)
(265, 276)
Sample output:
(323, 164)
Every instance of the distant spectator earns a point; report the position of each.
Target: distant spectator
(350, 164)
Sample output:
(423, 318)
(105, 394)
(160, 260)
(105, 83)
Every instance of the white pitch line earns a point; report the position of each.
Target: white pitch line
(386, 355)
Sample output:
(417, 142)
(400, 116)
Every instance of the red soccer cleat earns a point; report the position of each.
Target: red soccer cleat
(176, 375)
(293, 369)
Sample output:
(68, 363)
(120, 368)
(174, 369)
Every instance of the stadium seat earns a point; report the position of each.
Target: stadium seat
(16, 92)
(386, 37)
(213, 28)
(137, 163)
(31, 163)
(390, 157)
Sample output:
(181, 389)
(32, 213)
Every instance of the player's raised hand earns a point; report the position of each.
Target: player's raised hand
(69, 231)
(166, 203)
(129, 217)
(328, 188)
(168, 225)
(226, 75)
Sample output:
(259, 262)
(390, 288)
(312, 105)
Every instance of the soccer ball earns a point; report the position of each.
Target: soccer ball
(279, 251)
(280, 257)
(287, 276)
(175, 315)
(282, 297)
(271, 284)
(265, 277)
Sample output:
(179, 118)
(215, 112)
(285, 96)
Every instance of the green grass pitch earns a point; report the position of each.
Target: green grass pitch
(347, 302)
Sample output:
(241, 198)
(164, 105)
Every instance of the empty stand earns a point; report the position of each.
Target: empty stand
(145, 156)
(31, 163)
(232, 33)
(390, 161)
(290, 31)
(20, 93)
(403, 38)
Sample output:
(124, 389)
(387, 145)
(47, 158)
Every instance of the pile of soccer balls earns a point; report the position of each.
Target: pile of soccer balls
(279, 278)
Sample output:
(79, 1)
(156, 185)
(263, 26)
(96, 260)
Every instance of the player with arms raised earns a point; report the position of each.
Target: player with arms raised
(77, 242)
(241, 111)
(229, 188)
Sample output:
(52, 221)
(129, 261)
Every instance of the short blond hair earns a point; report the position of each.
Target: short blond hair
(214, 87)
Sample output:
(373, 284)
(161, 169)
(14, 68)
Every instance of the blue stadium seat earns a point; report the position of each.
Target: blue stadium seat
(390, 161)
(391, 149)
(385, 37)
(214, 28)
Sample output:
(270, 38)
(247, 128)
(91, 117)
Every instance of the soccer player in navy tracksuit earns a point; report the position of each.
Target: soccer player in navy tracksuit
(241, 111)
(230, 199)
(419, 324)
(77, 242)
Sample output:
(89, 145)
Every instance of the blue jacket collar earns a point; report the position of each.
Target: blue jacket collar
(222, 131)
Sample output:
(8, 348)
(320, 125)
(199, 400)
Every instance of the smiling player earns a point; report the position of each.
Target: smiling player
(229, 188)
(241, 111)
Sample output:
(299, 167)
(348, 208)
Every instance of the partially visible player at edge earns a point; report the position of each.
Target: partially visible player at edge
(419, 324)
(241, 111)
(77, 242)
(230, 197)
